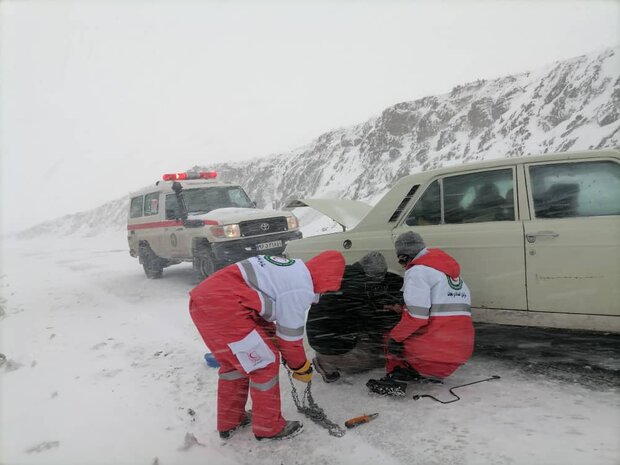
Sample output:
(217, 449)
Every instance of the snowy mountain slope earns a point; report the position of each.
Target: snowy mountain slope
(111, 216)
(569, 105)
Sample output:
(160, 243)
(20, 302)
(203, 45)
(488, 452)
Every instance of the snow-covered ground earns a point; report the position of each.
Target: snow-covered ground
(104, 366)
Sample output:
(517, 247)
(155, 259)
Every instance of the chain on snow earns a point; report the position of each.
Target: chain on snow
(312, 410)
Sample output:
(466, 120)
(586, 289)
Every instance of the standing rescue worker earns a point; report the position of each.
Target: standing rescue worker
(248, 314)
(435, 335)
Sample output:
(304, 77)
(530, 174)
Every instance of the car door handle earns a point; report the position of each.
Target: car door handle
(531, 237)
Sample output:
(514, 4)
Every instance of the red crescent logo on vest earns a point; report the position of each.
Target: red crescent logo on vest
(253, 356)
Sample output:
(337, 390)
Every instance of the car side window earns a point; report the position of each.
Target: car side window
(427, 210)
(569, 190)
(135, 209)
(151, 204)
(479, 197)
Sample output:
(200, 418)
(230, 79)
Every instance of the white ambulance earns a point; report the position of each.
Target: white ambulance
(192, 217)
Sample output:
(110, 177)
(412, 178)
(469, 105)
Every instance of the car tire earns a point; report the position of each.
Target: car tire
(152, 264)
(205, 263)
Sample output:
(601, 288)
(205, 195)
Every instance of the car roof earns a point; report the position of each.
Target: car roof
(384, 208)
(503, 161)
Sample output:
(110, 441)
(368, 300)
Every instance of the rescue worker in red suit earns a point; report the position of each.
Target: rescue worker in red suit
(435, 335)
(248, 314)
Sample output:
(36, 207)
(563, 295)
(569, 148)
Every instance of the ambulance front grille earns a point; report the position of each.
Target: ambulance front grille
(260, 227)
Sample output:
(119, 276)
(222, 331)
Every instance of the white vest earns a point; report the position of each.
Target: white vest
(431, 293)
(285, 289)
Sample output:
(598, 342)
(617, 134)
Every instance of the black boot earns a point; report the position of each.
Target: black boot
(328, 377)
(409, 375)
(405, 375)
(387, 386)
(290, 430)
(247, 419)
(395, 382)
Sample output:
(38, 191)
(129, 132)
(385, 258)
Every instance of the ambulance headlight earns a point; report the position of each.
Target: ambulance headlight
(292, 222)
(227, 230)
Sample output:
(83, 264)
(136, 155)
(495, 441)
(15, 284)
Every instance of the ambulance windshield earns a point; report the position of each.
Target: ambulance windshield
(206, 199)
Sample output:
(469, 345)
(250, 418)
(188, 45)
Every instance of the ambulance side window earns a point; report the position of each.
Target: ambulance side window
(135, 210)
(151, 204)
(172, 207)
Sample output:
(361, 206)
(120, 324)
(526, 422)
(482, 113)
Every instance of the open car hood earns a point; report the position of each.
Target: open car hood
(347, 213)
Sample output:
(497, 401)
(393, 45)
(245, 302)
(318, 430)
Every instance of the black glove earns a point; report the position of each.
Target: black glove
(395, 348)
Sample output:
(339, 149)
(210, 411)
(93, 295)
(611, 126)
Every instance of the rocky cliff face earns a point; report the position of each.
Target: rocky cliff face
(570, 105)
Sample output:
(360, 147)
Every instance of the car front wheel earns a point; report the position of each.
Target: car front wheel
(205, 263)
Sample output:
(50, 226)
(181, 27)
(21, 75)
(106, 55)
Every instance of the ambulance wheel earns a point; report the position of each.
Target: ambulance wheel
(205, 263)
(153, 265)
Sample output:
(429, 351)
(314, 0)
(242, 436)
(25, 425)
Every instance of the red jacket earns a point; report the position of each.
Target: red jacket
(436, 323)
(264, 290)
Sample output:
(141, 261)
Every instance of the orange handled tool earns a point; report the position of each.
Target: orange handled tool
(353, 422)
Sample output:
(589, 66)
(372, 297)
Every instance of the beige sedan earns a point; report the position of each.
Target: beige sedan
(537, 237)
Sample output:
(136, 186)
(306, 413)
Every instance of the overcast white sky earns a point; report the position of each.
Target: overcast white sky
(100, 98)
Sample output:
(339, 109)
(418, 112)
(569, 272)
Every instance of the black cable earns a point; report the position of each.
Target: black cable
(419, 396)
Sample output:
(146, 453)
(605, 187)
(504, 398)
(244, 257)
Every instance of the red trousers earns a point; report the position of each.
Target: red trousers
(221, 323)
(436, 349)
(420, 361)
(427, 368)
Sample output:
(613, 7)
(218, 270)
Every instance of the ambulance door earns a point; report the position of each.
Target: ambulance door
(153, 225)
(176, 235)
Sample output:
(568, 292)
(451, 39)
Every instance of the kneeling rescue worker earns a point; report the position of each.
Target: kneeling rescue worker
(248, 314)
(435, 335)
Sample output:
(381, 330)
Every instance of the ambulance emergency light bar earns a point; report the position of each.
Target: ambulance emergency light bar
(189, 175)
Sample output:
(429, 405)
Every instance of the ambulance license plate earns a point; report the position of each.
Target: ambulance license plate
(268, 245)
